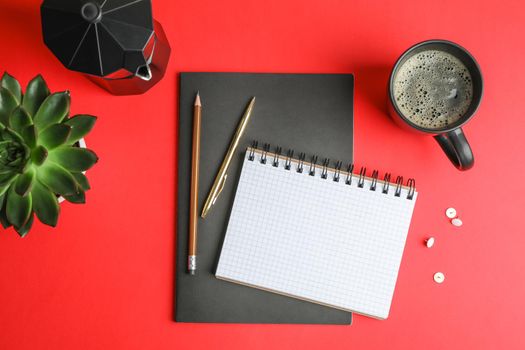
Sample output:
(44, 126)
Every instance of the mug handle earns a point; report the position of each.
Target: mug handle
(457, 148)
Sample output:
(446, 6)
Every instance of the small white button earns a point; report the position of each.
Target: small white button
(451, 213)
(439, 277)
(457, 222)
(430, 242)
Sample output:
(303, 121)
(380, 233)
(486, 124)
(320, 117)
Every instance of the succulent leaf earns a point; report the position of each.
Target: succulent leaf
(82, 180)
(19, 119)
(18, 208)
(36, 93)
(45, 204)
(13, 86)
(53, 110)
(81, 125)
(6, 179)
(57, 179)
(39, 155)
(9, 135)
(79, 198)
(13, 157)
(3, 218)
(24, 182)
(73, 159)
(24, 230)
(29, 135)
(54, 136)
(7, 104)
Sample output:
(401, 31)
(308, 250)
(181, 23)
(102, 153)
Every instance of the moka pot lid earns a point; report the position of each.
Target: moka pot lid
(99, 37)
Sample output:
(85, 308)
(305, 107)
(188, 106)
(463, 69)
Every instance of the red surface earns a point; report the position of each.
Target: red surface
(104, 278)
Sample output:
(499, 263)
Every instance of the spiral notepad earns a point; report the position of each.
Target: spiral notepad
(317, 231)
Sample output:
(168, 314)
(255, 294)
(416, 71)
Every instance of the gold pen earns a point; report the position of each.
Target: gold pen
(220, 179)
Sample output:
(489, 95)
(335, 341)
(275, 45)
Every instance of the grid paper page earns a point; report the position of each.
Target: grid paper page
(316, 239)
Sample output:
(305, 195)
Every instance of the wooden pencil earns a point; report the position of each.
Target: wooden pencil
(194, 194)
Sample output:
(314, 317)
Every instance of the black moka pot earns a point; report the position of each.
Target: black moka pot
(116, 43)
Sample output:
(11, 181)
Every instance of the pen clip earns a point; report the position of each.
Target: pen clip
(219, 190)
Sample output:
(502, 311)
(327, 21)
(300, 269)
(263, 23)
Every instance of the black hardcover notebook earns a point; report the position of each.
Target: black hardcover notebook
(307, 112)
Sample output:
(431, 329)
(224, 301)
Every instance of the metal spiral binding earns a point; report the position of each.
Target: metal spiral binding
(411, 188)
(373, 185)
(302, 156)
(362, 174)
(386, 183)
(349, 174)
(324, 172)
(288, 162)
(337, 173)
(399, 183)
(311, 172)
(264, 155)
(411, 183)
(276, 156)
(251, 156)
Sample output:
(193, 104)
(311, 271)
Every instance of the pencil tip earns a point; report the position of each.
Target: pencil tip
(198, 100)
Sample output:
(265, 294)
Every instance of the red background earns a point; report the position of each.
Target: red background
(104, 278)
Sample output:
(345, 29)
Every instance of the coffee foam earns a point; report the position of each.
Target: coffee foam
(433, 89)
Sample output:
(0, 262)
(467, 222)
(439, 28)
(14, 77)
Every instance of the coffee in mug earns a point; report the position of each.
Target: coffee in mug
(435, 87)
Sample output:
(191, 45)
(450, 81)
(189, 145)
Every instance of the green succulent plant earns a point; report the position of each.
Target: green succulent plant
(39, 155)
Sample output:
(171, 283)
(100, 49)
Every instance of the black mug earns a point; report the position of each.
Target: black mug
(435, 88)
